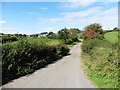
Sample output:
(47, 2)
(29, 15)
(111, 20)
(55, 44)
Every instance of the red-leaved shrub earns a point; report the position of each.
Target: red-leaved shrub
(90, 34)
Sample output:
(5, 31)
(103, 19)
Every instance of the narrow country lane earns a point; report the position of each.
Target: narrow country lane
(65, 73)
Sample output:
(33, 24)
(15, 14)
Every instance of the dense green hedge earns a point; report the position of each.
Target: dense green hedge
(71, 40)
(89, 44)
(25, 56)
(6, 38)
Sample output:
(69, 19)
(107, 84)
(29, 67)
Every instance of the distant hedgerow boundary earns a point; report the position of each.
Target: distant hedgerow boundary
(25, 56)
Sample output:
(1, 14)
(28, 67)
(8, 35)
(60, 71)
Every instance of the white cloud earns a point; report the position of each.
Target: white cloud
(108, 18)
(8, 28)
(111, 11)
(81, 13)
(77, 4)
(92, 0)
(69, 17)
(31, 13)
(56, 0)
(48, 29)
(49, 20)
(2, 22)
(43, 8)
(12, 30)
(109, 0)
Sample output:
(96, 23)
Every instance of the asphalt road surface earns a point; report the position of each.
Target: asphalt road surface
(65, 73)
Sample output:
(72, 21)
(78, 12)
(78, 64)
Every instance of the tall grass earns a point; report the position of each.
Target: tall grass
(100, 58)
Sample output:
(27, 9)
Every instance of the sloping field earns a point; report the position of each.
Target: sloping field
(112, 36)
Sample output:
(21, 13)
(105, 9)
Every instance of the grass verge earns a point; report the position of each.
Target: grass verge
(101, 63)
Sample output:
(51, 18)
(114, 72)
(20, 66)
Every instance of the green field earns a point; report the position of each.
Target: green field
(112, 36)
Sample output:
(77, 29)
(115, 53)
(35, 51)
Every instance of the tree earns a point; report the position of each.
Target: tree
(24, 35)
(1, 33)
(20, 35)
(93, 31)
(53, 36)
(116, 29)
(50, 33)
(44, 33)
(74, 32)
(16, 35)
(63, 34)
(34, 35)
(95, 27)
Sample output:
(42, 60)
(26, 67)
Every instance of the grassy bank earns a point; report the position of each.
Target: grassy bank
(100, 58)
(25, 56)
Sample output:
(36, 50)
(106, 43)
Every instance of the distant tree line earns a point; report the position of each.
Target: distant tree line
(115, 29)
(68, 35)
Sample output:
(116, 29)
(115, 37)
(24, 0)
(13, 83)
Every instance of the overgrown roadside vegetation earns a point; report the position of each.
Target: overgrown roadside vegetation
(100, 56)
(25, 56)
(22, 54)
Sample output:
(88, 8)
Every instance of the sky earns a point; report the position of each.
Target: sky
(37, 17)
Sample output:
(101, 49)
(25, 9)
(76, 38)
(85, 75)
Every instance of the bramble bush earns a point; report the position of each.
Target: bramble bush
(25, 56)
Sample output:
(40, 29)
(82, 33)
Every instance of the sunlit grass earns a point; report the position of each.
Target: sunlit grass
(112, 37)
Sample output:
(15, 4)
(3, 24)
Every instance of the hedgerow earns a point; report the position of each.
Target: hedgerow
(89, 44)
(25, 56)
(100, 58)
(6, 39)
